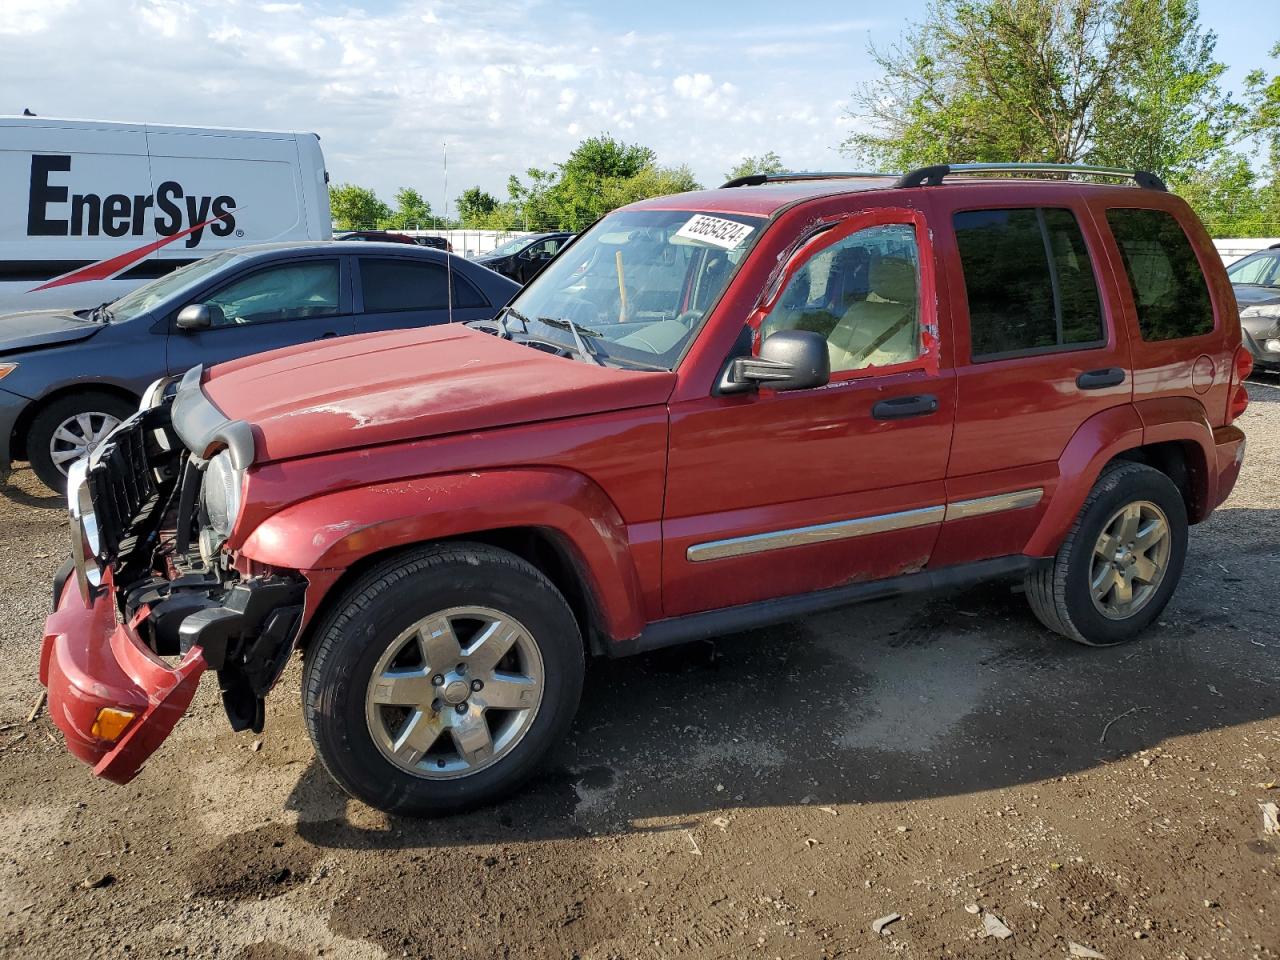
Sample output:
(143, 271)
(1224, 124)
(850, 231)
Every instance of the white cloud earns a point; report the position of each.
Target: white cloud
(508, 84)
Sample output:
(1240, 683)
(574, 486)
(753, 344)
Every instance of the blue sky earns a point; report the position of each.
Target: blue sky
(507, 83)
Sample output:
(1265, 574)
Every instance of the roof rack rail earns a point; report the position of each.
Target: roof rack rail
(756, 179)
(932, 176)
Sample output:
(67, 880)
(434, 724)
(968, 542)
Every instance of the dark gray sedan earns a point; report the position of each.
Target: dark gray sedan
(1256, 281)
(67, 378)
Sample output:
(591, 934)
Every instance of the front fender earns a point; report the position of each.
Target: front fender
(332, 532)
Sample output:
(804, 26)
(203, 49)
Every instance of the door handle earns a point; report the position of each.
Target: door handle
(899, 408)
(1098, 379)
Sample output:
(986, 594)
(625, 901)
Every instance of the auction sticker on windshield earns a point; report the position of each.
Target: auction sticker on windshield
(715, 230)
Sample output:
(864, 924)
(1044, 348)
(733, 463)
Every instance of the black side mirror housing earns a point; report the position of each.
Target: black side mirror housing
(199, 316)
(788, 360)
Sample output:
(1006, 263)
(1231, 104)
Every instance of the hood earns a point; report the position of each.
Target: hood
(42, 328)
(1251, 294)
(412, 384)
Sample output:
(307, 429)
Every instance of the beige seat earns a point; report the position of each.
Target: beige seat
(884, 328)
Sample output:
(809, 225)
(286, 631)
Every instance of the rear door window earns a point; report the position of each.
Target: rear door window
(1029, 282)
(1169, 290)
(394, 285)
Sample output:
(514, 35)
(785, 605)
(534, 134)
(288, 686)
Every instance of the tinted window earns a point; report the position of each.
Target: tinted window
(291, 291)
(862, 294)
(390, 286)
(1168, 287)
(1028, 280)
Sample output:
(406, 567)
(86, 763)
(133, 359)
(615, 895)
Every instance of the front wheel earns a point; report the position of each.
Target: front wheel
(1121, 561)
(69, 428)
(442, 678)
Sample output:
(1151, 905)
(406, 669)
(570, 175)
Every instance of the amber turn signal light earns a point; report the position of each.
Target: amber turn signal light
(111, 723)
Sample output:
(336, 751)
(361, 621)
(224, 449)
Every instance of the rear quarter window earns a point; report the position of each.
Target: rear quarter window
(1169, 289)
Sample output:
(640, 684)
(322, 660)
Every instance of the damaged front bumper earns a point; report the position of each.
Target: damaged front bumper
(116, 699)
(91, 664)
(139, 615)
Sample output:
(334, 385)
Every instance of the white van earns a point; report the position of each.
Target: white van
(90, 209)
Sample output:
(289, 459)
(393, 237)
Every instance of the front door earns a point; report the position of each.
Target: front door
(276, 305)
(778, 493)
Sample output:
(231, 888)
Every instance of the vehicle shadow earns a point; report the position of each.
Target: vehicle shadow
(20, 486)
(887, 702)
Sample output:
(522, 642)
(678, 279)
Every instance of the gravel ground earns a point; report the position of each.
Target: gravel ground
(767, 795)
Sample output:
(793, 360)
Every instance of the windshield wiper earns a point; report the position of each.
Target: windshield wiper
(591, 352)
(100, 313)
(502, 322)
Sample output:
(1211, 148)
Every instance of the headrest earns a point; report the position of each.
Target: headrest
(893, 278)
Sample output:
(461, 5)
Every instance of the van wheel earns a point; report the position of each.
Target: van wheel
(1120, 563)
(442, 678)
(70, 428)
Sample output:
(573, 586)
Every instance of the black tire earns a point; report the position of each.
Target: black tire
(389, 600)
(1059, 591)
(40, 434)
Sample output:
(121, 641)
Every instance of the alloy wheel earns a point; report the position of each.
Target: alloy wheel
(1130, 559)
(455, 692)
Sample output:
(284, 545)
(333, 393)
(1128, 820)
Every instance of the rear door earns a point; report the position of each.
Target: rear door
(266, 307)
(394, 292)
(1040, 349)
(777, 493)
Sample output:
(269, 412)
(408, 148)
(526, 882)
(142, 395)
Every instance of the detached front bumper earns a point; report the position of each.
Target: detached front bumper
(90, 662)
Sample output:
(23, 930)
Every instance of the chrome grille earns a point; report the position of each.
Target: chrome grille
(121, 485)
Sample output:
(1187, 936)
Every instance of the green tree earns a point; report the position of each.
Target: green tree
(652, 181)
(353, 207)
(1120, 82)
(475, 206)
(767, 163)
(412, 211)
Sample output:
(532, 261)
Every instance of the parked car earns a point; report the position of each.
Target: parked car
(728, 408)
(95, 209)
(1256, 281)
(440, 243)
(67, 379)
(522, 258)
(376, 236)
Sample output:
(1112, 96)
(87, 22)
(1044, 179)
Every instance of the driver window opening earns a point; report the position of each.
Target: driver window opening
(293, 291)
(862, 295)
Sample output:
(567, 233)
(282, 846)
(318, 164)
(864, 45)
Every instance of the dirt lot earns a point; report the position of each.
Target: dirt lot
(767, 795)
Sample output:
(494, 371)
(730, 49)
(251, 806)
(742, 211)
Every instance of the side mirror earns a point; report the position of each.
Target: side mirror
(788, 360)
(199, 316)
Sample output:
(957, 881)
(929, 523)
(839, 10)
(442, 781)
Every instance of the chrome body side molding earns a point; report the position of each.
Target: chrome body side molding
(861, 526)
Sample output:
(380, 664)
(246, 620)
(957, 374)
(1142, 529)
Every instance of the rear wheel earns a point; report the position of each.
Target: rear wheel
(70, 428)
(442, 678)
(1121, 562)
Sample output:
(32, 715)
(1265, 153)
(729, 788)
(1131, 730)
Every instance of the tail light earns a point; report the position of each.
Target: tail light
(1239, 395)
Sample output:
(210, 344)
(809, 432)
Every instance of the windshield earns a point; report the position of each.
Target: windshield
(638, 284)
(510, 247)
(1258, 269)
(150, 295)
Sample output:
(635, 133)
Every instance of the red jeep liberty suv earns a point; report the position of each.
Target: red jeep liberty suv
(711, 411)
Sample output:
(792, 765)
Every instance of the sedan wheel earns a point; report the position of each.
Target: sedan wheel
(78, 436)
